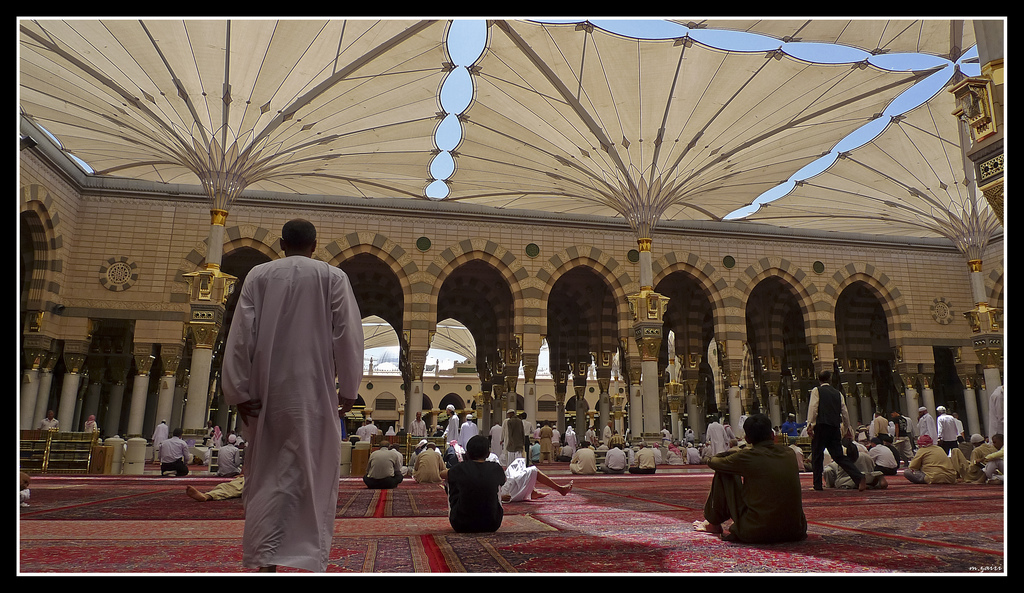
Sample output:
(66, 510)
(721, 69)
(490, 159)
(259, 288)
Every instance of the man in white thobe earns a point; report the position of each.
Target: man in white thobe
(495, 434)
(717, 439)
(468, 430)
(296, 328)
(926, 425)
(452, 432)
(160, 435)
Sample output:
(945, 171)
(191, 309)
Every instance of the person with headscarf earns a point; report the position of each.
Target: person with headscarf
(931, 465)
(90, 424)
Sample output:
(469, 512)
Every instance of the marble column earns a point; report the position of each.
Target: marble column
(648, 309)
(208, 290)
(45, 382)
(144, 358)
(35, 356)
(170, 357)
(118, 368)
(75, 354)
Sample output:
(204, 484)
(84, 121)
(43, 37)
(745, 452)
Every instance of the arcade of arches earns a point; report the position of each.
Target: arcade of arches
(108, 323)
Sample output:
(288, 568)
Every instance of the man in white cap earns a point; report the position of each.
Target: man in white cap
(452, 432)
(468, 430)
(946, 427)
(926, 425)
(229, 460)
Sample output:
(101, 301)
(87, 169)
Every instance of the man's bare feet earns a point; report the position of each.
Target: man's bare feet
(707, 527)
(565, 490)
(195, 494)
(537, 495)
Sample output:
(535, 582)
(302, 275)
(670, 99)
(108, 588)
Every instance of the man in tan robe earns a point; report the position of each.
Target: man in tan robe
(757, 488)
(428, 466)
(931, 465)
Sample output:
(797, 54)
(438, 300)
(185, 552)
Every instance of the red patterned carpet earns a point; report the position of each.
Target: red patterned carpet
(607, 524)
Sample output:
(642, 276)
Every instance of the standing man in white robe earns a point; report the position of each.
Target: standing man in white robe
(296, 328)
(717, 438)
(452, 432)
(468, 430)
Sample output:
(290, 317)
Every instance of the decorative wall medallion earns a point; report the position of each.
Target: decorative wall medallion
(532, 250)
(423, 243)
(633, 255)
(818, 267)
(729, 261)
(118, 273)
(942, 311)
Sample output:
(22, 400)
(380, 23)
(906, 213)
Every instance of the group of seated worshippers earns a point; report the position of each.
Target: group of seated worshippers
(933, 465)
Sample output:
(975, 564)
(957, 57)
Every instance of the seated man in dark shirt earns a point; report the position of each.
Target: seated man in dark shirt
(757, 488)
(473, 484)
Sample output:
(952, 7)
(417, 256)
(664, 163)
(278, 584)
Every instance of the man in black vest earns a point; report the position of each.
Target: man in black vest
(828, 422)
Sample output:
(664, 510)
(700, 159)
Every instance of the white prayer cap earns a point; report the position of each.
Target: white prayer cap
(232, 438)
(977, 438)
(450, 407)
(423, 442)
(922, 409)
(469, 417)
(940, 409)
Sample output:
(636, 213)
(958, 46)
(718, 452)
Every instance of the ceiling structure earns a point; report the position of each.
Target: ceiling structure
(345, 107)
(572, 119)
(567, 119)
(945, 38)
(910, 178)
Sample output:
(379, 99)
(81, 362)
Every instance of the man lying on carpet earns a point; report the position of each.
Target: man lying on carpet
(222, 491)
(757, 488)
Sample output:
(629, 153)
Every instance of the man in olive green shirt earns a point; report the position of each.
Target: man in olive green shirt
(757, 488)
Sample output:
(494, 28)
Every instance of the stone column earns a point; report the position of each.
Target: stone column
(415, 361)
(636, 398)
(75, 353)
(648, 309)
(35, 350)
(144, 358)
(170, 356)
(530, 361)
(208, 290)
(45, 381)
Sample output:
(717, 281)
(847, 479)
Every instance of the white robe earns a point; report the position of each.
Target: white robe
(296, 328)
(495, 434)
(159, 436)
(520, 480)
(452, 432)
(469, 430)
(717, 438)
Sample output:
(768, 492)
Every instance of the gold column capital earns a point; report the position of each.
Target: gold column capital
(218, 216)
(644, 243)
(974, 265)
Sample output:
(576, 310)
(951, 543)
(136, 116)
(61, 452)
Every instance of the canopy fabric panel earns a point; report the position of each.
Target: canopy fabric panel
(944, 38)
(911, 180)
(345, 107)
(574, 119)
